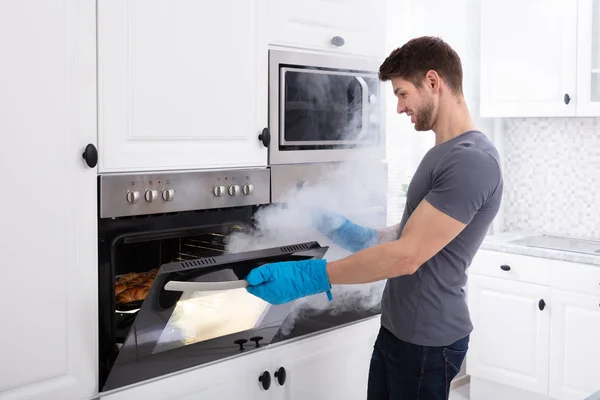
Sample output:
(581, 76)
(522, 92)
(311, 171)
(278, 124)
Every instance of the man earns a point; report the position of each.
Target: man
(451, 201)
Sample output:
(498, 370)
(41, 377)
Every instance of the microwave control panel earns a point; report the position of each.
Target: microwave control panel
(164, 192)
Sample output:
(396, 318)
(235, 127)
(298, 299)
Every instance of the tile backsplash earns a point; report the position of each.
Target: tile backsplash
(552, 176)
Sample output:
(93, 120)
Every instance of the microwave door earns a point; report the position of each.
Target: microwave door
(365, 108)
(321, 107)
(199, 310)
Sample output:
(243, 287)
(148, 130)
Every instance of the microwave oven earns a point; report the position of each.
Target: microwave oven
(324, 108)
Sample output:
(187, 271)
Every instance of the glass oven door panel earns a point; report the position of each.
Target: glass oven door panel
(177, 329)
(321, 107)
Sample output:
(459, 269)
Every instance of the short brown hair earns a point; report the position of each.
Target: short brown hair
(419, 55)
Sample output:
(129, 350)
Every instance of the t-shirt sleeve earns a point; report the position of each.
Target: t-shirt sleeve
(463, 181)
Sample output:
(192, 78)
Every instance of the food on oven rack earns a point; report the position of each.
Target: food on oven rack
(134, 286)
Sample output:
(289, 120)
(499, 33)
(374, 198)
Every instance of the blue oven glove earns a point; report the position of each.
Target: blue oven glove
(282, 282)
(344, 232)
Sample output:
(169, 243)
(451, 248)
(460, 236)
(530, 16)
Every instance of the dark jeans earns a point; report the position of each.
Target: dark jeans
(405, 371)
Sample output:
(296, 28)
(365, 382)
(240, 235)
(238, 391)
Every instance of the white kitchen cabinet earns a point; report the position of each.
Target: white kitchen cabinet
(528, 58)
(48, 346)
(510, 340)
(326, 366)
(523, 348)
(588, 58)
(335, 366)
(181, 85)
(574, 346)
(351, 27)
(228, 380)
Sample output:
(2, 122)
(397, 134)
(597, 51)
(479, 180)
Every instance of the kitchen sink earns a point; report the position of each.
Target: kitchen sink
(561, 243)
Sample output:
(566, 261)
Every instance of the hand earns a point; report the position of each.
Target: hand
(344, 232)
(327, 222)
(282, 282)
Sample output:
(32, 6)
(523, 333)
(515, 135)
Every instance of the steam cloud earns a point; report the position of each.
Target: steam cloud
(352, 189)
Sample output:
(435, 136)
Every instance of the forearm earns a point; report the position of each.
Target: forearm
(373, 264)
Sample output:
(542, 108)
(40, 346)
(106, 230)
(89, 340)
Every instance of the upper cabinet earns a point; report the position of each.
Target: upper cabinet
(181, 85)
(353, 27)
(529, 58)
(588, 58)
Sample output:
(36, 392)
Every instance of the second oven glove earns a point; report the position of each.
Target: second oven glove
(282, 282)
(344, 232)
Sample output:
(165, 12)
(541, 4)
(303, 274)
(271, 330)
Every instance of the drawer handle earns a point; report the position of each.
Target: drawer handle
(505, 267)
(265, 380)
(542, 305)
(280, 374)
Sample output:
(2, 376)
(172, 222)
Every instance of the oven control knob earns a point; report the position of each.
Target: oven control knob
(151, 195)
(219, 191)
(248, 188)
(133, 196)
(234, 190)
(168, 194)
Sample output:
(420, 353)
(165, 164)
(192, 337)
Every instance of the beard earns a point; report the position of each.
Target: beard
(424, 116)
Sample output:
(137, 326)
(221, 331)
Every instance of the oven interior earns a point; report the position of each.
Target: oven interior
(132, 249)
(137, 260)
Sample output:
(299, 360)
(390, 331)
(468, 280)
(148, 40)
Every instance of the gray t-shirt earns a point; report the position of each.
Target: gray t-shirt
(462, 178)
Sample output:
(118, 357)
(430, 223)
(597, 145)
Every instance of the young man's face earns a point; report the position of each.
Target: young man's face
(417, 103)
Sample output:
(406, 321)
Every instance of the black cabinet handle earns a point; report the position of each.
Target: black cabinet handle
(265, 380)
(542, 304)
(505, 267)
(567, 98)
(280, 374)
(338, 41)
(265, 137)
(90, 155)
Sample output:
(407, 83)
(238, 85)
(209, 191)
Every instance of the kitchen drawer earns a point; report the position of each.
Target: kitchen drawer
(513, 267)
(576, 277)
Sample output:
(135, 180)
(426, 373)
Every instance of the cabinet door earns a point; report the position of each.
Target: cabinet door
(328, 366)
(528, 58)
(234, 379)
(511, 335)
(588, 58)
(48, 345)
(313, 24)
(574, 346)
(182, 84)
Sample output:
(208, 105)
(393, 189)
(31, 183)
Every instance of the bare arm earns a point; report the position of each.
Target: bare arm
(426, 233)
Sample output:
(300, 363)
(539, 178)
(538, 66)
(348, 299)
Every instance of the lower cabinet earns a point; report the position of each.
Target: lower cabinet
(335, 366)
(510, 340)
(575, 345)
(536, 333)
(326, 366)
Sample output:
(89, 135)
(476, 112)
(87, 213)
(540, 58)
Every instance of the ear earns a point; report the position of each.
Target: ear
(433, 81)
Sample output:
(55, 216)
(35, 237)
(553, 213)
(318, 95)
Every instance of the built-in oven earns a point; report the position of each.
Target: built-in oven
(171, 294)
(323, 108)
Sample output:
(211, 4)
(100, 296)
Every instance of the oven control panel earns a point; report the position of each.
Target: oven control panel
(163, 192)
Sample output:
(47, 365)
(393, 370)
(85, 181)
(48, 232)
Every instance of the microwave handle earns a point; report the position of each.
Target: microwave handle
(365, 106)
(183, 286)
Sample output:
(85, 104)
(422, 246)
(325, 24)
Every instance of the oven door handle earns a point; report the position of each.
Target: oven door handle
(183, 286)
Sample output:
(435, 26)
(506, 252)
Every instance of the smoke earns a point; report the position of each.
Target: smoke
(354, 189)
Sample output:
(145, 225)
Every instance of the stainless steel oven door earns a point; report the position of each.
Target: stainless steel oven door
(324, 108)
(198, 311)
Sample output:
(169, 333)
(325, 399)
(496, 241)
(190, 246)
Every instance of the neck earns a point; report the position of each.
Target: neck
(453, 120)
